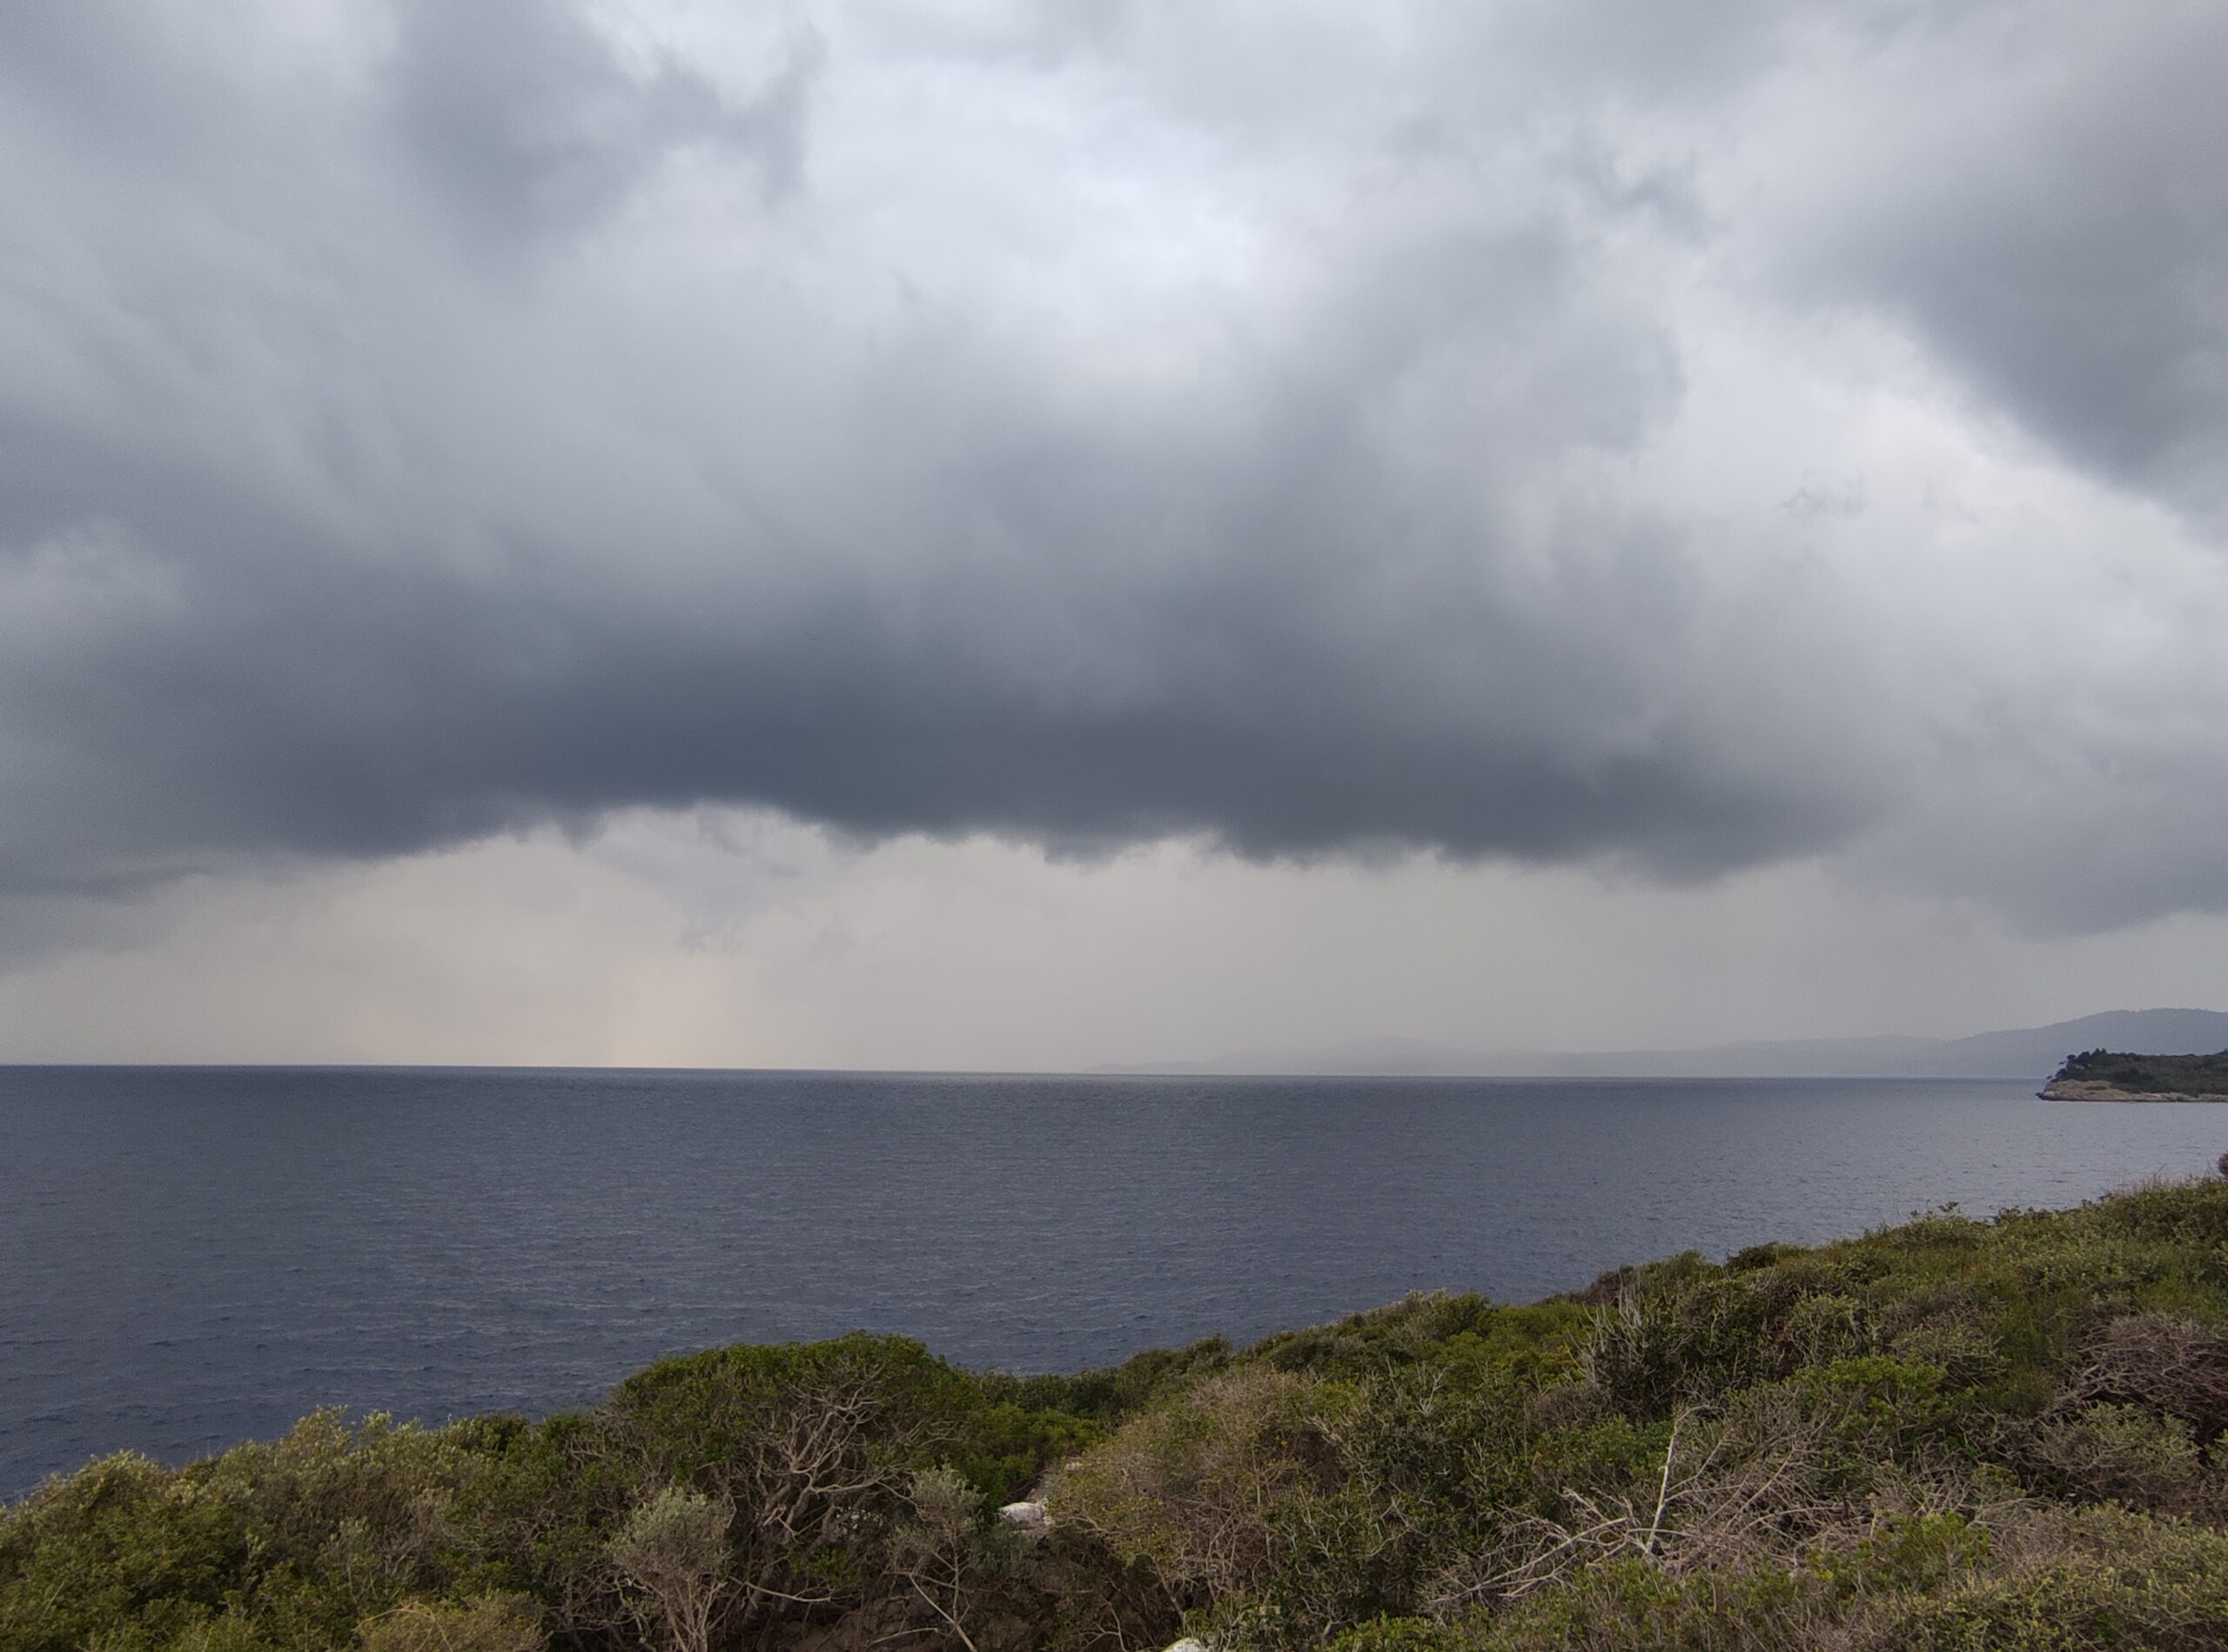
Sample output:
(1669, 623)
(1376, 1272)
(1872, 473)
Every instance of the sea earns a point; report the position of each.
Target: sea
(193, 1256)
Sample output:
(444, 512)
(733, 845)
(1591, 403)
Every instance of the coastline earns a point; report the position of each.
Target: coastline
(1876, 1443)
(2092, 1090)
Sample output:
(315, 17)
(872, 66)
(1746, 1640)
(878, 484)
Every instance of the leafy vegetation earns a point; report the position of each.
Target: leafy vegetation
(2147, 1075)
(1950, 1433)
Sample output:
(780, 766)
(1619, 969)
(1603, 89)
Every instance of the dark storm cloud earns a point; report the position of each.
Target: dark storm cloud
(2050, 210)
(768, 463)
(1094, 635)
(523, 116)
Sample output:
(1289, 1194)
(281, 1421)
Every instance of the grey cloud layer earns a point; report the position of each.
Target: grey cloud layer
(1083, 427)
(2059, 231)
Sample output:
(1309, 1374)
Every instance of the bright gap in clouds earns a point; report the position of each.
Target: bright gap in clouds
(717, 939)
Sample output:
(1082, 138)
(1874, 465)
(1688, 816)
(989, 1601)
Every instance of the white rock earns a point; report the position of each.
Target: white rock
(1030, 1517)
(1189, 1643)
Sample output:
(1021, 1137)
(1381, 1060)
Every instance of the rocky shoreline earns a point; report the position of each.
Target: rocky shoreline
(2092, 1089)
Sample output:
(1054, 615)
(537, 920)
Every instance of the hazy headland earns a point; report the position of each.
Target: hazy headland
(2012, 1053)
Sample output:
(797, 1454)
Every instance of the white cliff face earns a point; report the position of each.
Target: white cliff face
(1026, 1516)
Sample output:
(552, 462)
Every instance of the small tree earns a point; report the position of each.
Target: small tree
(672, 1553)
(938, 1550)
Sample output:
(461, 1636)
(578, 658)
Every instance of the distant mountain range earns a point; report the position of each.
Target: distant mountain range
(2024, 1053)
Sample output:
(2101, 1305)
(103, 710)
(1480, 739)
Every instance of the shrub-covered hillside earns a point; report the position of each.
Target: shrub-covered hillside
(2147, 1075)
(1952, 1433)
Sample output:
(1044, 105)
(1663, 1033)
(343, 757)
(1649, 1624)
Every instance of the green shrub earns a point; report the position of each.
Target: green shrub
(2108, 1453)
(1004, 1451)
(1239, 1498)
(1679, 1340)
(1193, 1488)
(2073, 1580)
(1950, 1434)
(1400, 1635)
(1630, 1607)
(123, 1551)
(1108, 1395)
(346, 1520)
(486, 1624)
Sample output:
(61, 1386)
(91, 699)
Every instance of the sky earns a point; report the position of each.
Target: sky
(974, 533)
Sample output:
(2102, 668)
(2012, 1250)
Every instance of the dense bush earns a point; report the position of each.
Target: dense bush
(2139, 1075)
(1952, 1433)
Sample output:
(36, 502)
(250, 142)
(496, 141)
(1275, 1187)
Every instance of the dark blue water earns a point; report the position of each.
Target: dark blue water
(189, 1257)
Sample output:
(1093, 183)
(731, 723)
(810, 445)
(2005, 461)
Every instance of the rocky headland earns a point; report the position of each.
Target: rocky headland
(2090, 1090)
(2104, 1075)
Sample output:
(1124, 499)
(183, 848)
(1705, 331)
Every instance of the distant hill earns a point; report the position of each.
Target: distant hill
(2018, 1053)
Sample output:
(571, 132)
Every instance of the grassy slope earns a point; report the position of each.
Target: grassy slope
(1950, 1433)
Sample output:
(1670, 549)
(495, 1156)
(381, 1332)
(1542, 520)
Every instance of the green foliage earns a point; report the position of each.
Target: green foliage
(1398, 1634)
(1952, 1433)
(1208, 1489)
(1403, 1333)
(2120, 1453)
(1676, 1339)
(486, 1623)
(1004, 1450)
(1109, 1395)
(122, 1550)
(2074, 1580)
(2167, 1075)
